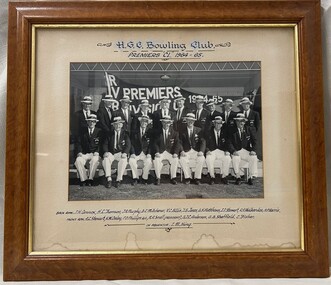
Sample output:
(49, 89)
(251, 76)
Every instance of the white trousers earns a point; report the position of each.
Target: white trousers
(218, 155)
(81, 162)
(122, 163)
(147, 161)
(158, 164)
(192, 156)
(251, 159)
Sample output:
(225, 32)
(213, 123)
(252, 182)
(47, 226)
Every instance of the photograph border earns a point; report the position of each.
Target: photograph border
(225, 66)
(19, 264)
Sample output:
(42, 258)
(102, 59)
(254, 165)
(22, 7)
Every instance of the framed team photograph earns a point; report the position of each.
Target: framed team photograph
(150, 139)
(205, 101)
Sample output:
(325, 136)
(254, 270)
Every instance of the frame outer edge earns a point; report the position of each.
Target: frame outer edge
(17, 144)
(17, 266)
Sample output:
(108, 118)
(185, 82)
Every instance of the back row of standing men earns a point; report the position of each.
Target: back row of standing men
(179, 136)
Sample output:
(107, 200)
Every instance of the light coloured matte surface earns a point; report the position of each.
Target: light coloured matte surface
(54, 47)
(326, 10)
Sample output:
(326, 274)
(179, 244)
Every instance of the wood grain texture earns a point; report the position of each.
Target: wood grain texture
(18, 265)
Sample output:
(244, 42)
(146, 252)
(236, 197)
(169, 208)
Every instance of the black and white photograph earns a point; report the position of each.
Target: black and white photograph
(165, 130)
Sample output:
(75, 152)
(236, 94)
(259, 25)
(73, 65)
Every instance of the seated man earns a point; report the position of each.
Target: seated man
(216, 150)
(87, 147)
(140, 149)
(194, 146)
(116, 147)
(166, 146)
(242, 146)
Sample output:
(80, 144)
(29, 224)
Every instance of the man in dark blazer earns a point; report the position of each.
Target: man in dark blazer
(181, 112)
(253, 117)
(116, 147)
(242, 145)
(105, 115)
(80, 123)
(125, 113)
(200, 113)
(144, 110)
(166, 146)
(87, 148)
(141, 149)
(163, 112)
(228, 115)
(193, 145)
(211, 105)
(216, 151)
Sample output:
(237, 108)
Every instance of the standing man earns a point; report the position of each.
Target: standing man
(166, 146)
(253, 117)
(105, 115)
(163, 112)
(242, 146)
(87, 148)
(145, 108)
(141, 149)
(216, 149)
(194, 146)
(81, 116)
(200, 113)
(181, 112)
(228, 115)
(116, 147)
(211, 105)
(125, 113)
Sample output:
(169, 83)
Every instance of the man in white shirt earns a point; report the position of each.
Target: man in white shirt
(211, 105)
(200, 113)
(125, 113)
(105, 114)
(181, 112)
(163, 112)
(228, 115)
(253, 117)
(144, 110)
(80, 123)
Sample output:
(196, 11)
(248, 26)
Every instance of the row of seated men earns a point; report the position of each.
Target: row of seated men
(179, 137)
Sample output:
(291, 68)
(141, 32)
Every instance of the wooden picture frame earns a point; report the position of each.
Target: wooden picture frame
(19, 264)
